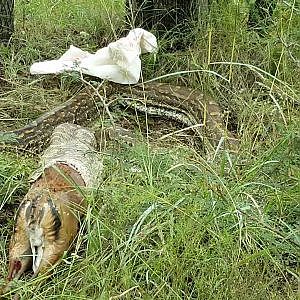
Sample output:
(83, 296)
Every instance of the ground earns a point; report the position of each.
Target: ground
(170, 221)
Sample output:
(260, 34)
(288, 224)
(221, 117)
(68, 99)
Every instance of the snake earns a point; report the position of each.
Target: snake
(186, 105)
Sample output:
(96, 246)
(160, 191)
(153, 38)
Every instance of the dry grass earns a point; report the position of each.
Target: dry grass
(166, 223)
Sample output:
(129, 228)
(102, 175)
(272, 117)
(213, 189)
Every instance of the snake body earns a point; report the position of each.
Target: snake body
(182, 104)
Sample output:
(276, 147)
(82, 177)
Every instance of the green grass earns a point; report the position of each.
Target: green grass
(167, 222)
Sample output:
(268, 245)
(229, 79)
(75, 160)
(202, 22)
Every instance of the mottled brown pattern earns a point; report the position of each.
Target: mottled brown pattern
(194, 105)
(182, 104)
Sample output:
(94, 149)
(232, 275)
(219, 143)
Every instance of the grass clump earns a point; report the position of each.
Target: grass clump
(167, 222)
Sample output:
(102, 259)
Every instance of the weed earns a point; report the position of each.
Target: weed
(167, 223)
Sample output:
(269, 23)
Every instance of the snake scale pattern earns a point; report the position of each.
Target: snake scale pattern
(182, 104)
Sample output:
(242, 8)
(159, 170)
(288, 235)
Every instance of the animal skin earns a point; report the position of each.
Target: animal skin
(182, 104)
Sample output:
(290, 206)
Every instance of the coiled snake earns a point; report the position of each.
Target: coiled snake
(182, 104)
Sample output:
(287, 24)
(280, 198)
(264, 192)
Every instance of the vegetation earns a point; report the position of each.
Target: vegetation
(168, 221)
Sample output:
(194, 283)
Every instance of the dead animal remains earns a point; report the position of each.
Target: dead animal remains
(47, 220)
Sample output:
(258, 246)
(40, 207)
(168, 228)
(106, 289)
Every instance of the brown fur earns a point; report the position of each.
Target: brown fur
(50, 204)
(55, 182)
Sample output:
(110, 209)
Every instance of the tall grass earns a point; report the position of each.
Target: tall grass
(166, 222)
